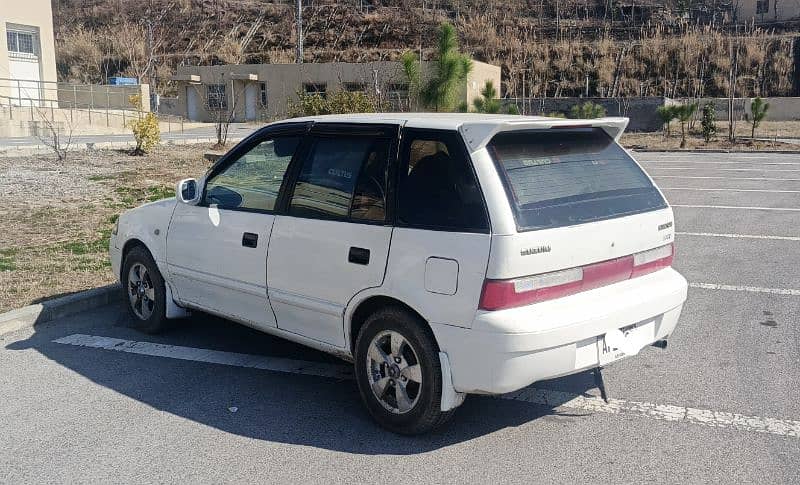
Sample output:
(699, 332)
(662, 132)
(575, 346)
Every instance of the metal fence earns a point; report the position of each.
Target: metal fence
(109, 105)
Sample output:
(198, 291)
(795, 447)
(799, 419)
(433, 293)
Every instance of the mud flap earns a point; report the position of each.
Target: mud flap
(173, 310)
(451, 398)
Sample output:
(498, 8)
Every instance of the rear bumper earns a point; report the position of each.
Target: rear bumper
(509, 349)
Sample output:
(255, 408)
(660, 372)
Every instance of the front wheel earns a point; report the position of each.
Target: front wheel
(144, 291)
(398, 372)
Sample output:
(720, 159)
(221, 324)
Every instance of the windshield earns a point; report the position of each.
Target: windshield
(559, 177)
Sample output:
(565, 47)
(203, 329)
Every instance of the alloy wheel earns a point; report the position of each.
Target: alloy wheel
(394, 372)
(140, 291)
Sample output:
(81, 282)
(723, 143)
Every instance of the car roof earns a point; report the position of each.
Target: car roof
(477, 128)
(446, 121)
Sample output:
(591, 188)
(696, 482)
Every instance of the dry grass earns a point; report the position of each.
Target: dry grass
(661, 55)
(767, 129)
(694, 141)
(773, 130)
(57, 217)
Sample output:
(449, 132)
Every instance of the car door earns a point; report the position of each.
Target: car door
(217, 249)
(333, 240)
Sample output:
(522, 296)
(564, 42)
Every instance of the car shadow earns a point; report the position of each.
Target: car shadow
(271, 406)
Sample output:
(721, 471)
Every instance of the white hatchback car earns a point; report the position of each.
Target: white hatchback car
(443, 254)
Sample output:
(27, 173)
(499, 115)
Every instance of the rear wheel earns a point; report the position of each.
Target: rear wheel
(398, 372)
(145, 293)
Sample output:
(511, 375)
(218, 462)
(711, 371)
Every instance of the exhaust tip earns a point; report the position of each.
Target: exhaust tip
(661, 344)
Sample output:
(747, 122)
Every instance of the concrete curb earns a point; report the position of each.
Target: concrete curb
(32, 150)
(58, 308)
(713, 150)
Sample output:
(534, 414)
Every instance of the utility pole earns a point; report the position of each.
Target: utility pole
(525, 104)
(299, 55)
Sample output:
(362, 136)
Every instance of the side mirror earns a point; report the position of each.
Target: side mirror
(188, 191)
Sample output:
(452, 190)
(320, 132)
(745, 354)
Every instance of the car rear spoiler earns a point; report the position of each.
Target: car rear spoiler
(479, 134)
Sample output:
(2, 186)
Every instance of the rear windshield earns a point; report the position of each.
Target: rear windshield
(560, 177)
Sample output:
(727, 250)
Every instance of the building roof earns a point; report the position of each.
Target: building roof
(477, 128)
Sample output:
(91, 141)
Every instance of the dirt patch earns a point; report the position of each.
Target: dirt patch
(657, 141)
(57, 216)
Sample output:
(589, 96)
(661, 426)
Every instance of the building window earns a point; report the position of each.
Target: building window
(314, 88)
(215, 93)
(21, 42)
(263, 88)
(397, 95)
(355, 87)
(397, 90)
(762, 6)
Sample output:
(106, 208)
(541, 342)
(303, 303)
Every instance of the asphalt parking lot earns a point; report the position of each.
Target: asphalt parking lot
(89, 399)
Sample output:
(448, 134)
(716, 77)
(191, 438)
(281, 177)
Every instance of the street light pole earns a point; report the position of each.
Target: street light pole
(299, 54)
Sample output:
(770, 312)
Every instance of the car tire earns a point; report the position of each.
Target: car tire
(390, 343)
(144, 291)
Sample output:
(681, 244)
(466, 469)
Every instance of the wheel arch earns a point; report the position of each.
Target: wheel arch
(369, 305)
(127, 247)
(173, 310)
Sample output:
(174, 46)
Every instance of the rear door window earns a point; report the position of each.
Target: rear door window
(343, 177)
(560, 177)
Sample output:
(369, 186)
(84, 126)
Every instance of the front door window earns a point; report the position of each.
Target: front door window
(252, 181)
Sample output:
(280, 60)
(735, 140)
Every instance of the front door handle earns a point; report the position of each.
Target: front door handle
(358, 256)
(249, 240)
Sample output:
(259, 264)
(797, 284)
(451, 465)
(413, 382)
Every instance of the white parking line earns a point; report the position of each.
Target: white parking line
(730, 169)
(554, 399)
(704, 417)
(751, 289)
(714, 163)
(790, 209)
(739, 236)
(276, 364)
(732, 190)
(722, 178)
(737, 155)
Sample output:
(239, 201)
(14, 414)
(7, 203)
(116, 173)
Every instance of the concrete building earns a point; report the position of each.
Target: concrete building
(27, 52)
(766, 10)
(263, 91)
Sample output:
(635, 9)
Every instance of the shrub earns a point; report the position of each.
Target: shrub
(709, 122)
(488, 102)
(667, 114)
(339, 102)
(145, 129)
(684, 113)
(587, 111)
(758, 108)
(146, 132)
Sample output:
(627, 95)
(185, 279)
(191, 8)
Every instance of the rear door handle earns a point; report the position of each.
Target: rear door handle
(358, 256)
(249, 240)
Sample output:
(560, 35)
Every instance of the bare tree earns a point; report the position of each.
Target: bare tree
(221, 102)
(53, 134)
(733, 74)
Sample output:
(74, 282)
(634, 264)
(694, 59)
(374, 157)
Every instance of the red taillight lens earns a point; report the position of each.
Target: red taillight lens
(500, 294)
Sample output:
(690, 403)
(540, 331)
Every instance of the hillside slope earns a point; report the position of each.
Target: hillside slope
(559, 47)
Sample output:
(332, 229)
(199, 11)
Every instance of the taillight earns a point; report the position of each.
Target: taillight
(500, 294)
(652, 260)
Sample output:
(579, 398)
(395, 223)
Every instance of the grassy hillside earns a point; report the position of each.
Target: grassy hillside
(560, 47)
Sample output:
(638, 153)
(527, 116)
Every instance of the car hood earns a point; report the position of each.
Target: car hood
(148, 224)
(158, 211)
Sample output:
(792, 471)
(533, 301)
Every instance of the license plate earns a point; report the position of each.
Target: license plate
(627, 341)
